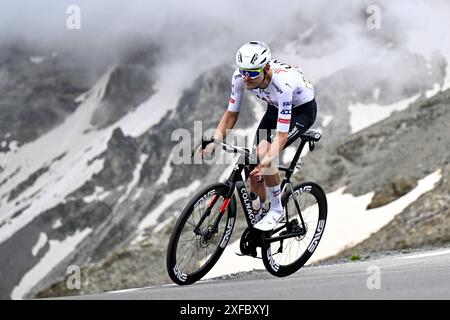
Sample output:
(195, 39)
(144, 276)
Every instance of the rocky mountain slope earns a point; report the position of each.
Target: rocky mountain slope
(388, 157)
(113, 202)
(102, 188)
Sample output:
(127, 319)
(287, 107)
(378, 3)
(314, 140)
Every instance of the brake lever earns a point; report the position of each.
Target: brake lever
(203, 143)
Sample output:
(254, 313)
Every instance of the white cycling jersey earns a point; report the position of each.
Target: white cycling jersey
(287, 89)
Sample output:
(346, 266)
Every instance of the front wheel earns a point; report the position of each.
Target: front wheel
(285, 256)
(201, 234)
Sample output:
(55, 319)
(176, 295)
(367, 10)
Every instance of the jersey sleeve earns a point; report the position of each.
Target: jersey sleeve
(237, 92)
(284, 97)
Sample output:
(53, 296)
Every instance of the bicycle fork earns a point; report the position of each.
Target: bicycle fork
(296, 206)
(208, 212)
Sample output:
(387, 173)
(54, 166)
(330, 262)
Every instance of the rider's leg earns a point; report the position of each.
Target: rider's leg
(272, 180)
(301, 120)
(273, 184)
(259, 187)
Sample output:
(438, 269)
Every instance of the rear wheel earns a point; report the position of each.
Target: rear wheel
(284, 257)
(201, 234)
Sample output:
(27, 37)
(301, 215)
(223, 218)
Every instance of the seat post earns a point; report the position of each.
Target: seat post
(289, 171)
(297, 155)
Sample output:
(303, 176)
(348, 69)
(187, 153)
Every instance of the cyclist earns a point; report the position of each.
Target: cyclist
(291, 111)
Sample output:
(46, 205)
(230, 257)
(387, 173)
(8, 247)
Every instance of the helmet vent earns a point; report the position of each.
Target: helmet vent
(239, 57)
(263, 51)
(264, 60)
(255, 56)
(253, 42)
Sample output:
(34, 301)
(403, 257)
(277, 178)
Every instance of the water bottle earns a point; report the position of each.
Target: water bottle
(256, 205)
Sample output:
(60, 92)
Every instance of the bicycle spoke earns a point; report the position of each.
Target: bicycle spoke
(294, 247)
(187, 243)
(191, 223)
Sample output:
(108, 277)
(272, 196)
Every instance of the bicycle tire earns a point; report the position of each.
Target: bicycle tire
(278, 269)
(176, 271)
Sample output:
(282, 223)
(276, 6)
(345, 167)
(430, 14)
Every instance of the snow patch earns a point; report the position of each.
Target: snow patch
(137, 194)
(14, 146)
(57, 252)
(136, 177)
(365, 115)
(64, 176)
(168, 91)
(348, 223)
(160, 226)
(99, 194)
(169, 199)
(39, 244)
(326, 119)
(434, 91)
(37, 60)
(57, 224)
(288, 154)
(166, 171)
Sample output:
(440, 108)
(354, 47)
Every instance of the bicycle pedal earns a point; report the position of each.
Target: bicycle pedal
(240, 254)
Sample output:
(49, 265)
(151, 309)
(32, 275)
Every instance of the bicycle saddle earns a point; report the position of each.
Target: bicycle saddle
(311, 135)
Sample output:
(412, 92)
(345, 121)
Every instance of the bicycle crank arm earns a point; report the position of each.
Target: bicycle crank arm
(286, 236)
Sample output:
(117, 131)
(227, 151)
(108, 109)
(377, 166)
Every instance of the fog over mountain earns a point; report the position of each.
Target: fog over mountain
(206, 34)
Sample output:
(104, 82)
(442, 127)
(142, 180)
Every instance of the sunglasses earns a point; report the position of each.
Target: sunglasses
(252, 73)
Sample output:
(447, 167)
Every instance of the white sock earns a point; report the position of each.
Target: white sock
(275, 198)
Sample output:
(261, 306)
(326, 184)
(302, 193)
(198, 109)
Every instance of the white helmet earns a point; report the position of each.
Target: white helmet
(253, 55)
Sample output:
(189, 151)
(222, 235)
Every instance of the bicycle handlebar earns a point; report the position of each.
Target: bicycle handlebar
(225, 146)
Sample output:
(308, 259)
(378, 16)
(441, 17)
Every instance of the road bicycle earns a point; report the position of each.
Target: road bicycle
(205, 225)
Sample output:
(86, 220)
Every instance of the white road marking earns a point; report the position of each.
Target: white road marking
(429, 254)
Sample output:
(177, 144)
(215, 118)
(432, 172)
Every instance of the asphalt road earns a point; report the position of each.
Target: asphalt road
(422, 275)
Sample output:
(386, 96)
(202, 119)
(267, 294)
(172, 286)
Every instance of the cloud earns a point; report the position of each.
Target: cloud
(207, 33)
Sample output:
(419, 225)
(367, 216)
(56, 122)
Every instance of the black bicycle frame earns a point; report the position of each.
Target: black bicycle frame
(235, 181)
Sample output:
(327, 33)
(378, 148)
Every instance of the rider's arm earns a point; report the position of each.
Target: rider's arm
(230, 116)
(276, 146)
(227, 122)
(237, 92)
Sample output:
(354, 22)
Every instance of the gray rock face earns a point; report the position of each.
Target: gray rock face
(143, 265)
(366, 83)
(129, 86)
(411, 143)
(25, 184)
(424, 223)
(363, 162)
(121, 158)
(346, 163)
(391, 191)
(36, 95)
(390, 157)
(131, 83)
(114, 230)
